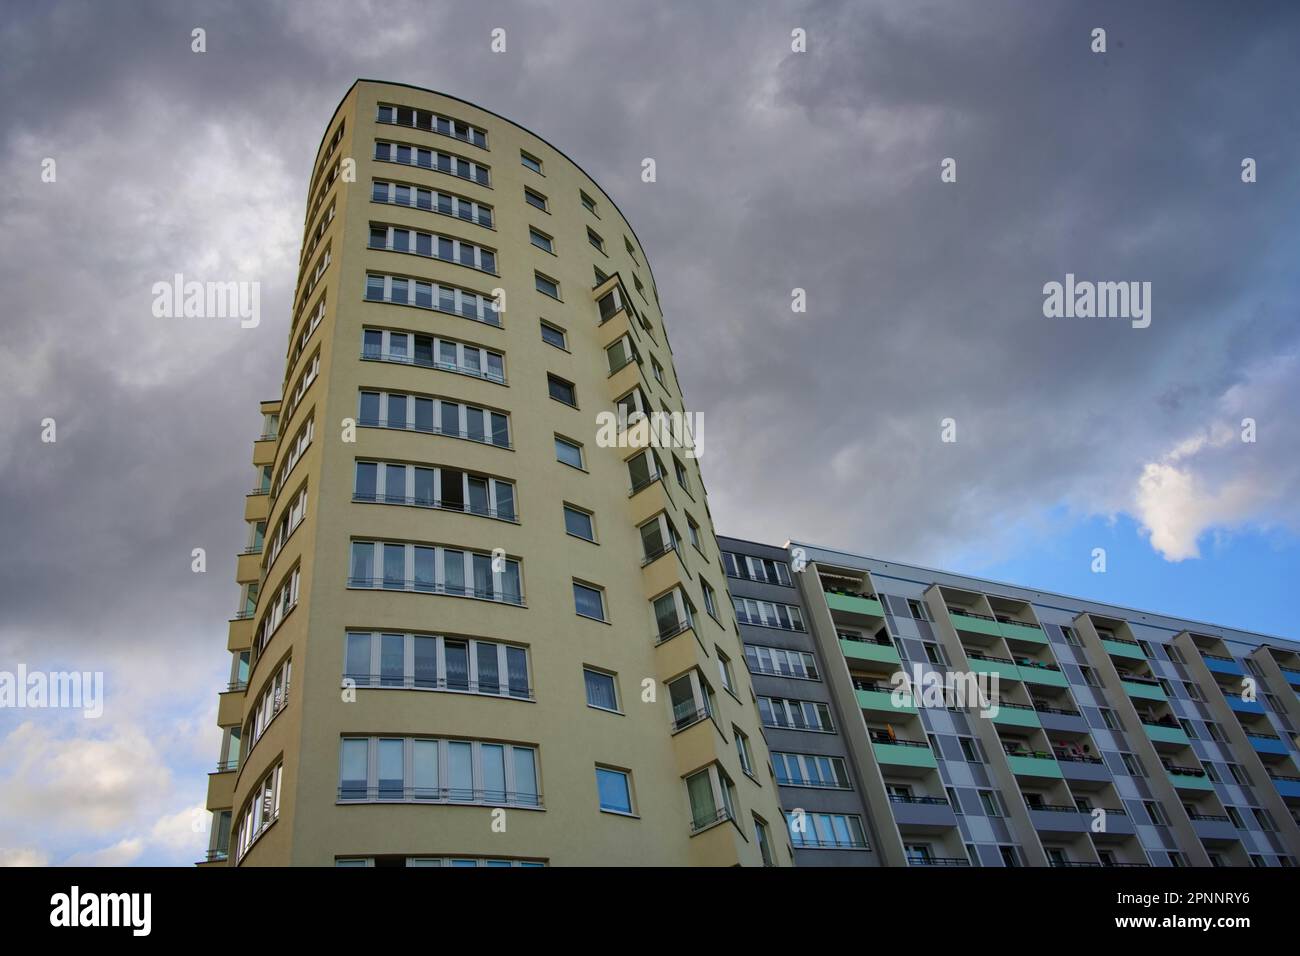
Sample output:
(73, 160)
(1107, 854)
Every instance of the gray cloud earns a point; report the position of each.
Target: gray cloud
(776, 170)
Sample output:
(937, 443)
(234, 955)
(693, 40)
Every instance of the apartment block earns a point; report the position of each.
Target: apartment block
(474, 627)
(1119, 737)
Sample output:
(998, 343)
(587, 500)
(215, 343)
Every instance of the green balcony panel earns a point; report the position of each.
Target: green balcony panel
(976, 625)
(1005, 671)
(880, 702)
(1041, 675)
(1034, 766)
(1168, 735)
(904, 756)
(1118, 649)
(1013, 717)
(855, 605)
(866, 651)
(1145, 691)
(1023, 632)
(1185, 782)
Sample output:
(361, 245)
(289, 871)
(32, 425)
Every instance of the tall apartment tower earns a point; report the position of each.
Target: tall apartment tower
(1121, 737)
(472, 630)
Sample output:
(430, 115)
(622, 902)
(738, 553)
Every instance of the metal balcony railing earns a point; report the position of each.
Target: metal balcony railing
(418, 501)
(402, 794)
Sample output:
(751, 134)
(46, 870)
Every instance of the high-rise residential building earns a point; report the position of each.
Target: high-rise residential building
(1119, 737)
(474, 630)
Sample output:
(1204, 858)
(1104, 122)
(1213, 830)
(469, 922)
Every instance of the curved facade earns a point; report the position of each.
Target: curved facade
(473, 630)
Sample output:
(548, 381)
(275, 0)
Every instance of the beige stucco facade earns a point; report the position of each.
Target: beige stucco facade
(306, 819)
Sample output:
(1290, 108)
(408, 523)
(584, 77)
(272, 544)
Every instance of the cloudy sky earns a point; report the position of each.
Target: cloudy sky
(776, 170)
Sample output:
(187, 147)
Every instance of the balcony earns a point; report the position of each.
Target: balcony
(1143, 688)
(1015, 715)
(1166, 732)
(1048, 818)
(1059, 718)
(1188, 778)
(1035, 672)
(1014, 630)
(1287, 787)
(924, 859)
(1119, 647)
(1223, 665)
(859, 604)
(922, 814)
(878, 698)
(1033, 763)
(1267, 744)
(1078, 766)
(1004, 667)
(1292, 676)
(881, 651)
(221, 788)
(896, 752)
(1213, 828)
(1251, 707)
(973, 623)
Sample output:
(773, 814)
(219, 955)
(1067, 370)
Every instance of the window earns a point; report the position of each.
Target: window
(710, 601)
(434, 416)
(748, 568)
(969, 749)
(552, 335)
(262, 810)
(644, 469)
(578, 523)
(724, 671)
(680, 470)
(602, 690)
(1071, 636)
(627, 244)
(434, 569)
(535, 199)
(693, 530)
(268, 704)
(546, 286)
(530, 161)
(1132, 764)
(432, 662)
(400, 290)
(431, 123)
(431, 159)
(917, 610)
(989, 801)
(541, 240)
(673, 614)
(1109, 719)
(828, 831)
(763, 838)
(434, 487)
(561, 391)
(614, 789)
(691, 700)
(810, 770)
(589, 601)
(795, 714)
(588, 203)
(712, 797)
(431, 351)
(658, 537)
(594, 238)
(767, 614)
(742, 750)
(282, 601)
(430, 770)
(567, 452)
(780, 662)
(658, 371)
(431, 200)
(433, 246)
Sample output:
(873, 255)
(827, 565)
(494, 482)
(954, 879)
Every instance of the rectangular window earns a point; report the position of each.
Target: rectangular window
(810, 770)
(530, 161)
(568, 452)
(578, 523)
(614, 789)
(588, 601)
(427, 770)
(602, 693)
(834, 831)
(546, 286)
(588, 203)
(552, 335)
(535, 199)
(561, 391)
(541, 240)
(593, 237)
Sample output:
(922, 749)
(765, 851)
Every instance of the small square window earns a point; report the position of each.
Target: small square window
(547, 286)
(535, 199)
(614, 788)
(602, 691)
(552, 335)
(588, 203)
(568, 452)
(562, 391)
(532, 162)
(578, 523)
(588, 601)
(541, 240)
(594, 238)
